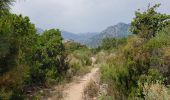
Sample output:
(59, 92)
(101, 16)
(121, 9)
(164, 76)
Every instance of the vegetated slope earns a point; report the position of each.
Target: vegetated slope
(85, 37)
(139, 70)
(69, 36)
(80, 38)
(117, 31)
(93, 39)
(39, 30)
(66, 35)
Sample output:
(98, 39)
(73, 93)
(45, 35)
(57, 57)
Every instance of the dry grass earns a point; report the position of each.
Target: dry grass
(79, 65)
(156, 92)
(53, 93)
(91, 90)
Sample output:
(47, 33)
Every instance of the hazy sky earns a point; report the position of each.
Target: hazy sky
(82, 15)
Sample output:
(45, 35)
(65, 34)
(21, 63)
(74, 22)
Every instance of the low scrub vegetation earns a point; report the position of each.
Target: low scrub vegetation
(29, 60)
(91, 90)
(110, 43)
(139, 70)
(80, 62)
(137, 67)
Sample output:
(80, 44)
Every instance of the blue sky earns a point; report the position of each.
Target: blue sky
(81, 16)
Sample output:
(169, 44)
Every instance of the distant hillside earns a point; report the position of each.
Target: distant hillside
(69, 36)
(117, 31)
(39, 30)
(93, 39)
(88, 34)
(80, 38)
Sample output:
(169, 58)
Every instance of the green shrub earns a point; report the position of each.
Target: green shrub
(143, 59)
(27, 58)
(80, 62)
(146, 24)
(117, 79)
(48, 58)
(78, 69)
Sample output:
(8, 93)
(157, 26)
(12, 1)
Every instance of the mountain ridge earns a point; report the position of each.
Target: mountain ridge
(94, 39)
(119, 30)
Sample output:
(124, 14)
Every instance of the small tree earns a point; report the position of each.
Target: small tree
(5, 4)
(15, 40)
(148, 23)
(48, 58)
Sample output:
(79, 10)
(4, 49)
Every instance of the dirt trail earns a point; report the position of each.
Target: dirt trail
(74, 90)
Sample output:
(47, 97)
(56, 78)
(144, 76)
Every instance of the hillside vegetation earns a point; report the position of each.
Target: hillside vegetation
(119, 30)
(94, 40)
(135, 64)
(29, 61)
(140, 69)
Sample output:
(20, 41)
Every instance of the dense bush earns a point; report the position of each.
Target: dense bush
(26, 58)
(29, 60)
(16, 40)
(48, 59)
(143, 60)
(15, 33)
(136, 64)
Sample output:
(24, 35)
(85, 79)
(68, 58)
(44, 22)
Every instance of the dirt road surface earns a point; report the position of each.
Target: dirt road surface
(74, 90)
